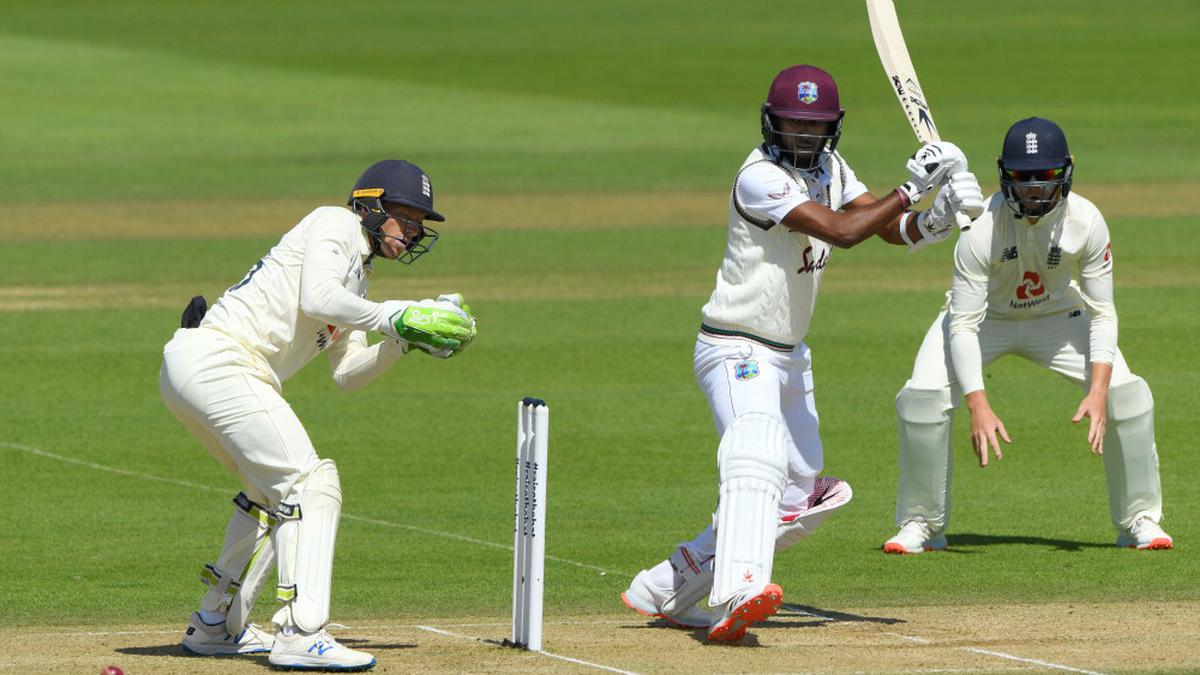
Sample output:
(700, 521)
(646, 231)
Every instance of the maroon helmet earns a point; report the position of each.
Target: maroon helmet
(805, 93)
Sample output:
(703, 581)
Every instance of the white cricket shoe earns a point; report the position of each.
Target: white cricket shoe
(316, 651)
(1145, 534)
(205, 640)
(915, 536)
(647, 599)
(743, 610)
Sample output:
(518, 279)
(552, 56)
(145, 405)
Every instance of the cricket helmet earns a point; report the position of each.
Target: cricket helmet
(1036, 167)
(395, 181)
(802, 92)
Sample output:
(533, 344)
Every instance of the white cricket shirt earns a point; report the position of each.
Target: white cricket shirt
(767, 284)
(303, 294)
(1005, 268)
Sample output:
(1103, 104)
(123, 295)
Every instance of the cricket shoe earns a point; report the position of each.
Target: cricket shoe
(646, 599)
(915, 536)
(202, 639)
(1145, 534)
(316, 651)
(743, 610)
(828, 495)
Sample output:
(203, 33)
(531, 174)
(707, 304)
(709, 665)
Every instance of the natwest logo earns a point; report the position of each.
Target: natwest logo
(1031, 286)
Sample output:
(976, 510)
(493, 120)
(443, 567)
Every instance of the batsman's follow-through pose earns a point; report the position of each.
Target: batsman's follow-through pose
(793, 199)
(1015, 292)
(221, 377)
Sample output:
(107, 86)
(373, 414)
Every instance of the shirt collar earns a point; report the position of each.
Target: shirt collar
(366, 245)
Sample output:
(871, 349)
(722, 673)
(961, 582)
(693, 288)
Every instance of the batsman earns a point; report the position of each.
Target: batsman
(1032, 277)
(222, 376)
(793, 200)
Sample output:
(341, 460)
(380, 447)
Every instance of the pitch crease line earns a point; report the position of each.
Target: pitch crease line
(921, 640)
(580, 662)
(363, 519)
(1039, 662)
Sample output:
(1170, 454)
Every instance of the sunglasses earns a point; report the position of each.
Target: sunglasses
(1034, 175)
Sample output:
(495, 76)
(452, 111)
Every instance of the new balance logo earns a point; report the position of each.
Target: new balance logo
(1009, 253)
(321, 646)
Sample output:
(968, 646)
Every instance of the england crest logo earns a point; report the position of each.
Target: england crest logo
(807, 92)
(1031, 143)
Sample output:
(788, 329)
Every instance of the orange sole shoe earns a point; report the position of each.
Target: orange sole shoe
(1160, 545)
(758, 608)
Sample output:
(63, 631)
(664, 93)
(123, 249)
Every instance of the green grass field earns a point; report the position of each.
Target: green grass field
(154, 115)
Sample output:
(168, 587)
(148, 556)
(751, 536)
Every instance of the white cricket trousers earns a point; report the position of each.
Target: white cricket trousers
(740, 376)
(213, 385)
(1059, 342)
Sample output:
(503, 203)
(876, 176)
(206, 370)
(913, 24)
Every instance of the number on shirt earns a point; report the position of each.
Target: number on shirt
(257, 266)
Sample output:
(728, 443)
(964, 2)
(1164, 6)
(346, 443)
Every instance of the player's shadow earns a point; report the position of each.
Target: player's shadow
(792, 616)
(816, 617)
(362, 643)
(955, 542)
(176, 650)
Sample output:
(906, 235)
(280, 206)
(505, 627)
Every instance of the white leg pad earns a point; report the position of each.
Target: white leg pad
(1130, 455)
(923, 492)
(305, 541)
(752, 461)
(248, 555)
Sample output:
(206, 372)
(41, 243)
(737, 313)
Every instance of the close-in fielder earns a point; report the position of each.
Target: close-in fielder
(793, 200)
(222, 380)
(1015, 292)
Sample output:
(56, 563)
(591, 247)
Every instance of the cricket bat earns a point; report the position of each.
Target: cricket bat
(897, 65)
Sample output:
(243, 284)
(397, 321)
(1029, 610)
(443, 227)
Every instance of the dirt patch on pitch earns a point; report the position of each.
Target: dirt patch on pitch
(1116, 637)
(259, 217)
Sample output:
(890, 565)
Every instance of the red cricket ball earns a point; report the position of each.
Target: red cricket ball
(111, 670)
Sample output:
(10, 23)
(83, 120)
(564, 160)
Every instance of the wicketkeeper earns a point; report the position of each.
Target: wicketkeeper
(222, 375)
(1032, 277)
(793, 200)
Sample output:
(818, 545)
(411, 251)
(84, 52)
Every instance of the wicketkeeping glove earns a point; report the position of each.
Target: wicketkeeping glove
(438, 327)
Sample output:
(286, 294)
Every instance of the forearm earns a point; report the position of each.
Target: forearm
(1100, 379)
(359, 365)
(850, 227)
(967, 359)
(328, 301)
(977, 402)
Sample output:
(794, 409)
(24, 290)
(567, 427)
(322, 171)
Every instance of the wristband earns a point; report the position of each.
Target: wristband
(904, 218)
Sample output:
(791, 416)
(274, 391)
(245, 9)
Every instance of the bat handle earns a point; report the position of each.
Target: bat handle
(963, 221)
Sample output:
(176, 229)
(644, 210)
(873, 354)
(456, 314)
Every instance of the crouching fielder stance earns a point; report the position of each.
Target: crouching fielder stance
(1014, 292)
(793, 200)
(221, 377)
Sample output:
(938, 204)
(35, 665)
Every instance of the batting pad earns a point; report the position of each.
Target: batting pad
(305, 541)
(235, 580)
(924, 417)
(752, 460)
(1130, 455)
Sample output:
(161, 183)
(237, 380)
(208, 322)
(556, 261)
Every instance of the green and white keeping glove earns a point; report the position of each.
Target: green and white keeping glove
(439, 327)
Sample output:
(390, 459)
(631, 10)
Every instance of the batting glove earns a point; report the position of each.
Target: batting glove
(928, 167)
